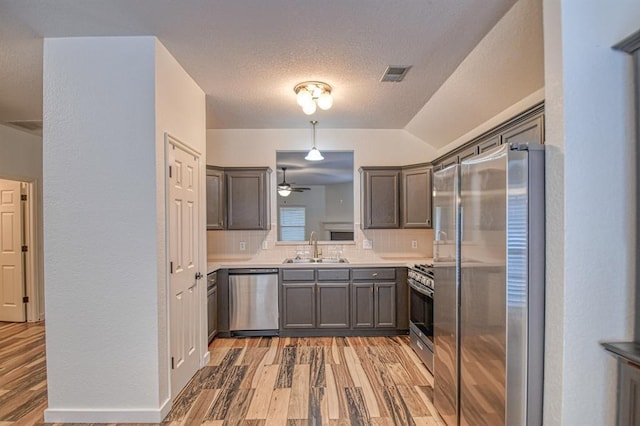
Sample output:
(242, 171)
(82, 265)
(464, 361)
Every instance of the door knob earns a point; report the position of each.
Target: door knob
(198, 275)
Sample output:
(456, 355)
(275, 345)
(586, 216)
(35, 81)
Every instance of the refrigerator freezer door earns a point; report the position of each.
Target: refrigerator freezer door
(445, 298)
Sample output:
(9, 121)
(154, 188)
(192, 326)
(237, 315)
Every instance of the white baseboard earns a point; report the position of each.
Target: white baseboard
(88, 415)
(205, 359)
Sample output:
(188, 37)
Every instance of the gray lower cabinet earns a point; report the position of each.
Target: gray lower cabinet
(298, 304)
(212, 312)
(628, 393)
(374, 305)
(362, 305)
(385, 304)
(343, 299)
(315, 298)
(332, 305)
(374, 298)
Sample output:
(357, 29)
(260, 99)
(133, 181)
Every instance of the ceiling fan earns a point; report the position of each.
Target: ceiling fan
(284, 188)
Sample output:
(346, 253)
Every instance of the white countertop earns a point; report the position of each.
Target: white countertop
(215, 264)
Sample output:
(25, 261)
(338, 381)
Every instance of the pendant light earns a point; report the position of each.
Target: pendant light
(314, 154)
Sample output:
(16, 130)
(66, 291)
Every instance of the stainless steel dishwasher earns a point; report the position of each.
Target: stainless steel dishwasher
(253, 302)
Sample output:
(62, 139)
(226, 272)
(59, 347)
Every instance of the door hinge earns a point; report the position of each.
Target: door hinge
(25, 249)
(172, 366)
(25, 299)
(23, 197)
(171, 267)
(170, 171)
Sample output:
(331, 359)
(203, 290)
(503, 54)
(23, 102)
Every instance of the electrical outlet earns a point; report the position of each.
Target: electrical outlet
(243, 245)
(414, 243)
(265, 245)
(367, 244)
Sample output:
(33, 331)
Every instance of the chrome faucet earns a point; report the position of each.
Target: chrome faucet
(313, 240)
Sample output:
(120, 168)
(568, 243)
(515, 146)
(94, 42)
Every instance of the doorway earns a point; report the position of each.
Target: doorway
(184, 237)
(18, 290)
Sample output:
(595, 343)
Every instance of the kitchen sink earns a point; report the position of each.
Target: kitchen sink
(311, 260)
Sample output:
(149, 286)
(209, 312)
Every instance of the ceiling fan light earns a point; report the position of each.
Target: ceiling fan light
(314, 155)
(325, 101)
(284, 192)
(309, 108)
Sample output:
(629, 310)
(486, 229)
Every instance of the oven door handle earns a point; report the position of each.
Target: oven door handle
(426, 291)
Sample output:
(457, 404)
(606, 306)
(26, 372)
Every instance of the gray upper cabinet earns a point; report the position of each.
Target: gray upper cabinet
(247, 198)
(489, 143)
(216, 201)
(470, 152)
(416, 197)
(238, 198)
(531, 131)
(459, 157)
(380, 197)
(528, 127)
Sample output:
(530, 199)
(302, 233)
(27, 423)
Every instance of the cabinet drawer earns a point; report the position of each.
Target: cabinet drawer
(341, 274)
(298, 275)
(374, 274)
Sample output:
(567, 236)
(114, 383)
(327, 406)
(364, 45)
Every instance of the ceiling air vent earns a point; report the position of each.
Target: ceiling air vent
(395, 73)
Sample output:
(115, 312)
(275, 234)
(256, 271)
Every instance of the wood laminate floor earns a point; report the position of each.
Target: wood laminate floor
(257, 381)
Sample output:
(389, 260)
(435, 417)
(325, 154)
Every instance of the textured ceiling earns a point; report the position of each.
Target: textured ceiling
(248, 54)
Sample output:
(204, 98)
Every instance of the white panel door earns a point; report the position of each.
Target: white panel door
(11, 269)
(183, 258)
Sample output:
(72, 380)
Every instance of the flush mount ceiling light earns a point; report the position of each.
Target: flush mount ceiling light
(310, 94)
(314, 154)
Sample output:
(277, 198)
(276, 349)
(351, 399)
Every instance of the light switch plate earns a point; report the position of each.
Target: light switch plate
(243, 245)
(265, 245)
(367, 244)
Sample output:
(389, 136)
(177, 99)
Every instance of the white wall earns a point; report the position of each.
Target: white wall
(100, 227)
(180, 112)
(590, 204)
(21, 159)
(107, 103)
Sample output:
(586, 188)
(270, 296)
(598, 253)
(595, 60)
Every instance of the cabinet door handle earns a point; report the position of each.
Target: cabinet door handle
(375, 274)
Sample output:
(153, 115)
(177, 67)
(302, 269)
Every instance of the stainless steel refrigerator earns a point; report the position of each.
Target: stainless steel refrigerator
(488, 320)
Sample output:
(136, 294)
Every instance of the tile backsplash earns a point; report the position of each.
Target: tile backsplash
(385, 243)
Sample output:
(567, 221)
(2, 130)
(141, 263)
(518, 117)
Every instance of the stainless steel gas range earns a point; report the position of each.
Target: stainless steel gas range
(421, 285)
